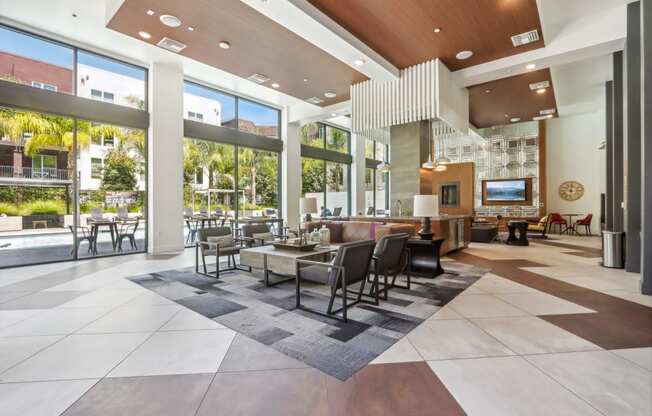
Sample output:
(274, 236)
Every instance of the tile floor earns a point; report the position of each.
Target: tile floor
(79, 339)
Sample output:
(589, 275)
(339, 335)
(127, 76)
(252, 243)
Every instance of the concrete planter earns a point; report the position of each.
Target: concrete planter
(11, 223)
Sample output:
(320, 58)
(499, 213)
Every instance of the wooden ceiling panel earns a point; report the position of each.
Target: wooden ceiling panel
(495, 103)
(258, 44)
(402, 31)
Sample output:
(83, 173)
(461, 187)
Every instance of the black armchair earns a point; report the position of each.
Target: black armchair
(390, 258)
(82, 234)
(217, 242)
(350, 266)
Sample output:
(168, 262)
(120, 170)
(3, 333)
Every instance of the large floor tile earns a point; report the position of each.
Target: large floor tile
(483, 306)
(7, 296)
(410, 389)
(505, 386)
(245, 354)
(11, 317)
(54, 322)
(186, 320)
(612, 384)
(42, 300)
(532, 335)
(401, 352)
(446, 339)
(632, 297)
(47, 398)
(640, 356)
(183, 352)
(76, 357)
(540, 303)
(15, 349)
(447, 312)
(296, 392)
(132, 319)
(143, 396)
(101, 297)
(491, 283)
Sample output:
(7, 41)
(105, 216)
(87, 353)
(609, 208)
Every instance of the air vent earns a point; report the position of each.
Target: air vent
(525, 38)
(172, 45)
(258, 78)
(538, 85)
(547, 111)
(315, 100)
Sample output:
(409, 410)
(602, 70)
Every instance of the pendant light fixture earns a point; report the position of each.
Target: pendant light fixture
(428, 164)
(441, 161)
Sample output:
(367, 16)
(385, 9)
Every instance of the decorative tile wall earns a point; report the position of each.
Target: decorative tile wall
(503, 152)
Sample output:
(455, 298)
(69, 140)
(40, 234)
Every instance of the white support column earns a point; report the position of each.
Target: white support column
(165, 156)
(291, 172)
(358, 174)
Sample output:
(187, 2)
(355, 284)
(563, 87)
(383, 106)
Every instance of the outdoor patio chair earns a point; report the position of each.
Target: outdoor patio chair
(97, 213)
(350, 266)
(122, 213)
(390, 258)
(188, 212)
(217, 242)
(128, 230)
(203, 211)
(83, 234)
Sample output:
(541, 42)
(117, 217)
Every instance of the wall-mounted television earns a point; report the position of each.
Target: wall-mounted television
(507, 191)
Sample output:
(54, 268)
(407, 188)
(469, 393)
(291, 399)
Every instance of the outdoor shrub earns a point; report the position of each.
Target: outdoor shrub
(9, 210)
(44, 208)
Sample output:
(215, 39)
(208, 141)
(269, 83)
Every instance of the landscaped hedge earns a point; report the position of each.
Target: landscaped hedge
(9, 210)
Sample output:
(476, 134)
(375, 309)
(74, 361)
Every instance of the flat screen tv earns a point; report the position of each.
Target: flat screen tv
(506, 190)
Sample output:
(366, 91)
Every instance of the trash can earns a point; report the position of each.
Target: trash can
(612, 249)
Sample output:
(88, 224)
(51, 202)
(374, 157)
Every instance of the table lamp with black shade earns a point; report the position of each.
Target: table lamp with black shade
(426, 206)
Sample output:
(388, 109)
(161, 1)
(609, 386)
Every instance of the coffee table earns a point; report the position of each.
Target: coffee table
(279, 261)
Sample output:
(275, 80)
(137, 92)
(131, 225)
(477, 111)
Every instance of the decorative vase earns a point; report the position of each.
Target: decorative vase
(324, 235)
(314, 236)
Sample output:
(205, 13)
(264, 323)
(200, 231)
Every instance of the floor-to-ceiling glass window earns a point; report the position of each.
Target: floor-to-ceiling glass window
(227, 177)
(376, 178)
(337, 189)
(112, 189)
(258, 173)
(313, 180)
(69, 187)
(325, 168)
(36, 187)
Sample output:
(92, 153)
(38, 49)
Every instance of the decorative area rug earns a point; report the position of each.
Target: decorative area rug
(241, 302)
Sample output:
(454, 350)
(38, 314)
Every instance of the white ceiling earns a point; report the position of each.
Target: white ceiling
(580, 86)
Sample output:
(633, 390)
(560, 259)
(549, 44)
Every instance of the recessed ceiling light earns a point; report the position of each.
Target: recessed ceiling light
(305, 80)
(150, 12)
(437, 30)
(225, 45)
(464, 55)
(275, 85)
(506, 115)
(549, 116)
(358, 62)
(541, 91)
(530, 66)
(190, 28)
(333, 114)
(144, 35)
(169, 20)
(515, 119)
(330, 94)
(487, 90)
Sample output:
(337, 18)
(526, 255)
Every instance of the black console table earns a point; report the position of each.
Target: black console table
(424, 257)
(521, 239)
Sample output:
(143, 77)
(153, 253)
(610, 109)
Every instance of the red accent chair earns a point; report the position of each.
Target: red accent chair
(586, 222)
(557, 219)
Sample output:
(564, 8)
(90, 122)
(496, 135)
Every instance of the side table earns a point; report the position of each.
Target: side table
(521, 239)
(424, 257)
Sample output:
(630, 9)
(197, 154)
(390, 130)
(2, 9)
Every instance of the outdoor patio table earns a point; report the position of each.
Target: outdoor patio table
(95, 226)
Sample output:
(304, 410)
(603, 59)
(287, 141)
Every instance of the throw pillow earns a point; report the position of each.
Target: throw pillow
(224, 241)
(336, 231)
(264, 236)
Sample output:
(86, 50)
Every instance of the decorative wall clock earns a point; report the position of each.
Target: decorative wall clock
(571, 190)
